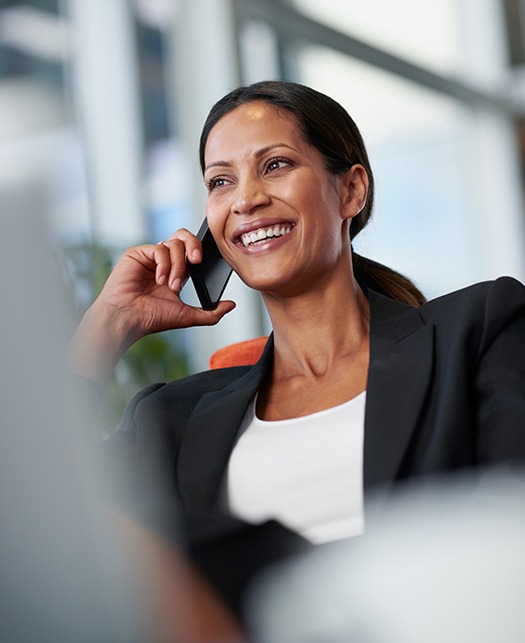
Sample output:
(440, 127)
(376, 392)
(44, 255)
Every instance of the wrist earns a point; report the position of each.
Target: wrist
(102, 338)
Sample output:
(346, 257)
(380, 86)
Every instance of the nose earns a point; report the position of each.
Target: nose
(250, 195)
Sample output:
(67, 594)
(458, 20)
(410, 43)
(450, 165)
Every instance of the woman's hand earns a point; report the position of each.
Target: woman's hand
(144, 287)
(141, 296)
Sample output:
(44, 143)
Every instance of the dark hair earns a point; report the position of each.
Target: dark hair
(328, 127)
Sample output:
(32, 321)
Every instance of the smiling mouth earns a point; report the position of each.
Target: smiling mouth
(264, 235)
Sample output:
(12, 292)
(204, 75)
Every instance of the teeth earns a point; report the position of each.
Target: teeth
(262, 234)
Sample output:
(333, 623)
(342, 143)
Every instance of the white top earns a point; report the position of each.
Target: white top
(305, 472)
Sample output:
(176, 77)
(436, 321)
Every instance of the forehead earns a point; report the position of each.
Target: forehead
(250, 126)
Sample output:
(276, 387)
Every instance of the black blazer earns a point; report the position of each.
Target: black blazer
(446, 391)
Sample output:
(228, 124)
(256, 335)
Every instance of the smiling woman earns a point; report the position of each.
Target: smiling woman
(362, 383)
(319, 126)
(274, 180)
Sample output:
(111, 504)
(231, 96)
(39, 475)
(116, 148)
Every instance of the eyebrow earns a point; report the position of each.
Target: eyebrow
(257, 154)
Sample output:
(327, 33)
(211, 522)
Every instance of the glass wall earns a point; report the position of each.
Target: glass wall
(38, 136)
(104, 108)
(426, 33)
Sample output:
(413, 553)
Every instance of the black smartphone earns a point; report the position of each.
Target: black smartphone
(211, 275)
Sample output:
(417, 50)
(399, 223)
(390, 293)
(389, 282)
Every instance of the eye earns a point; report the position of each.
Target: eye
(216, 182)
(277, 164)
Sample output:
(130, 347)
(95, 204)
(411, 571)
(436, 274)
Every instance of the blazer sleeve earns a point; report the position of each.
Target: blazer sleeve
(117, 454)
(500, 375)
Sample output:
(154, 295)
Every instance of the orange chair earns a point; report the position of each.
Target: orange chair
(239, 354)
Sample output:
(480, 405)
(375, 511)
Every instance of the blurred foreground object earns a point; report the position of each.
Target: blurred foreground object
(444, 563)
(63, 579)
(71, 571)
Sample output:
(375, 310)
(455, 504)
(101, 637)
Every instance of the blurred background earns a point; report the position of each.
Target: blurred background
(101, 104)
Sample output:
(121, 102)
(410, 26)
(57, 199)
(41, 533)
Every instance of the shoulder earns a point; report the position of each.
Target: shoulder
(176, 401)
(187, 391)
(499, 298)
(489, 302)
(480, 316)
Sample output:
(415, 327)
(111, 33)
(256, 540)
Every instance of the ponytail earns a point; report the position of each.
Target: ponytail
(371, 274)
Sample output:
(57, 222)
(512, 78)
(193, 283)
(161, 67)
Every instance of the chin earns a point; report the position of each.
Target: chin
(265, 283)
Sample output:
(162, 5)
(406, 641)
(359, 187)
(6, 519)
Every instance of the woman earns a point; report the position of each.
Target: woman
(361, 384)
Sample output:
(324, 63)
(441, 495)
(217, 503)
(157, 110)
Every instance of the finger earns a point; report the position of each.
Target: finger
(177, 263)
(151, 259)
(161, 256)
(199, 317)
(183, 246)
(192, 244)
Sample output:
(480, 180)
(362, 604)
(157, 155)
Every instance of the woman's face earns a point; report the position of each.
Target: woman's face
(277, 215)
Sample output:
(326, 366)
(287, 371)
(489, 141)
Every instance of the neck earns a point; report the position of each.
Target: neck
(314, 330)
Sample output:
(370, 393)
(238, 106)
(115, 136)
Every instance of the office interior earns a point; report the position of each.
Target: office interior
(101, 104)
(102, 101)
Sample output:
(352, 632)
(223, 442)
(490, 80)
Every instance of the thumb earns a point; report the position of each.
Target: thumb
(212, 317)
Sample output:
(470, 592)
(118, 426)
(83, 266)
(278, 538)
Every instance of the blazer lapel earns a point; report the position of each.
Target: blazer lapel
(211, 434)
(401, 359)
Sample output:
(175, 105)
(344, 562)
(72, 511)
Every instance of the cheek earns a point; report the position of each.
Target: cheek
(215, 216)
(307, 193)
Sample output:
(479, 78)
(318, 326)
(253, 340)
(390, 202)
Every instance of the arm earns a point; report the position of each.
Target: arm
(500, 382)
(141, 296)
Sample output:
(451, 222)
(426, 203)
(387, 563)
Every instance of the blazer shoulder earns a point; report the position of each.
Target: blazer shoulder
(504, 294)
(478, 314)
(191, 388)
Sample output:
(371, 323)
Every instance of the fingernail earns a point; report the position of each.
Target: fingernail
(161, 280)
(196, 255)
(176, 284)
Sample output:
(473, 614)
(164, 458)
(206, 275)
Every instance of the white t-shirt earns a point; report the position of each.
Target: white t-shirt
(305, 472)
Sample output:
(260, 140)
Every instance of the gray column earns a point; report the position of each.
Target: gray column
(105, 85)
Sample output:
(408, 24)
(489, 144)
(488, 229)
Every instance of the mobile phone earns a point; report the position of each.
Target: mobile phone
(211, 275)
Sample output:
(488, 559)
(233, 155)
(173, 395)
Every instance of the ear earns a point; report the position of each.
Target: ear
(354, 190)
